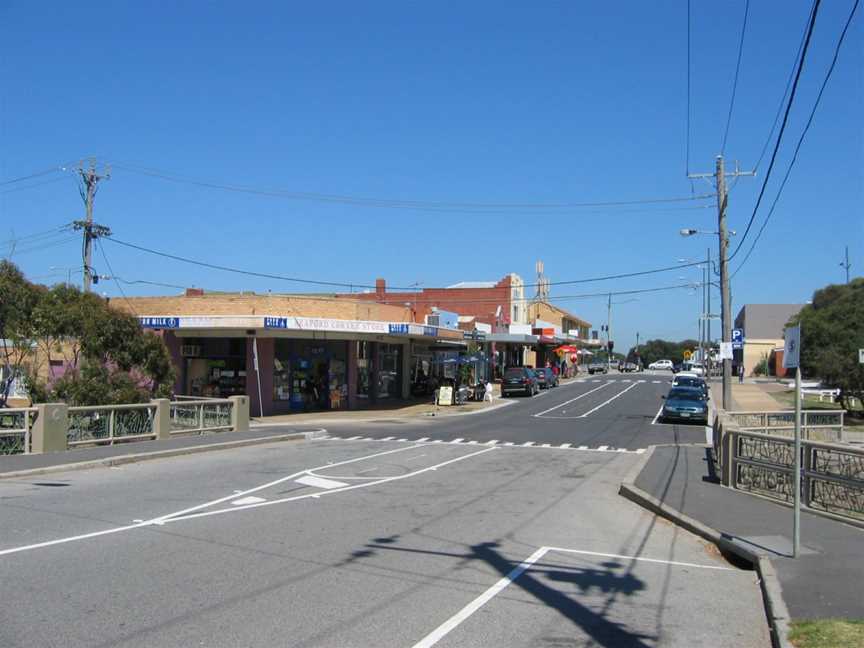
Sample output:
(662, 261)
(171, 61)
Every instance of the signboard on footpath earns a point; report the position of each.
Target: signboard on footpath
(792, 347)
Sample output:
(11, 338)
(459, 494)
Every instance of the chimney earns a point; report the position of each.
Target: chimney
(194, 292)
(380, 288)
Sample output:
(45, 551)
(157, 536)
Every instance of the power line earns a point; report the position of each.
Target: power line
(390, 203)
(782, 98)
(37, 174)
(803, 134)
(810, 27)
(113, 276)
(45, 246)
(735, 81)
(38, 235)
(34, 186)
(351, 285)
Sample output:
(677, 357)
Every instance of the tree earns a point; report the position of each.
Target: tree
(831, 334)
(654, 350)
(18, 298)
(108, 357)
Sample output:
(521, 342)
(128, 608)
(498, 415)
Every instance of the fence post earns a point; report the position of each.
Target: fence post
(162, 418)
(239, 413)
(50, 429)
(112, 418)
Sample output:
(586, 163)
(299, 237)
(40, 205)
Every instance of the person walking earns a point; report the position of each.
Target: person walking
(740, 373)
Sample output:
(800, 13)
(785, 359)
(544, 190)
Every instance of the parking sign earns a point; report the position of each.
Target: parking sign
(737, 338)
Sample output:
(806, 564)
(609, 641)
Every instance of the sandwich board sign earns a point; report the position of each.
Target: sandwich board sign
(792, 347)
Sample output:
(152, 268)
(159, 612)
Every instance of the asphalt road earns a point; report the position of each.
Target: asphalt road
(359, 543)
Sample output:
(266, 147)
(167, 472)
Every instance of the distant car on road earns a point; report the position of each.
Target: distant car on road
(685, 404)
(519, 380)
(546, 378)
(693, 367)
(628, 367)
(661, 365)
(598, 367)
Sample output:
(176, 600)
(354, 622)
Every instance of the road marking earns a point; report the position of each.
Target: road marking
(527, 443)
(457, 440)
(591, 391)
(602, 448)
(641, 381)
(546, 445)
(602, 405)
(566, 445)
(594, 381)
(583, 447)
(492, 442)
(354, 438)
(656, 382)
(387, 439)
(248, 500)
(472, 443)
(423, 439)
(625, 380)
(402, 440)
(657, 416)
(508, 443)
(640, 451)
(317, 482)
(457, 619)
(328, 492)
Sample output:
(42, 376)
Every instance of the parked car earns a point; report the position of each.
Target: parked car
(693, 367)
(690, 380)
(598, 367)
(685, 404)
(661, 365)
(546, 378)
(519, 380)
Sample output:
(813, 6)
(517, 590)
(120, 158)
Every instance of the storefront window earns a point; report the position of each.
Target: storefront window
(364, 368)
(282, 371)
(215, 367)
(390, 372)
(310, 374)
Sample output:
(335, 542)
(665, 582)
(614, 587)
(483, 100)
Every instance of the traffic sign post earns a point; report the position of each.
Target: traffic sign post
(737, 338)
(791, 358)
(688, 354)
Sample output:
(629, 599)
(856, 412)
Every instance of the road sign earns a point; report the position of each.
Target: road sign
(688, 354)
(726, 351)
(861, 356)
(792, 348)
(737, 338)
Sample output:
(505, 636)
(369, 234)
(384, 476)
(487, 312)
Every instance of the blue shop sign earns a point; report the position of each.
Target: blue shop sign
(159, 322)
(275, 322)
(431, 331)
(398, 329)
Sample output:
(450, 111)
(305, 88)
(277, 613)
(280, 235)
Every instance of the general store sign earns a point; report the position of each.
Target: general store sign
(159, 322)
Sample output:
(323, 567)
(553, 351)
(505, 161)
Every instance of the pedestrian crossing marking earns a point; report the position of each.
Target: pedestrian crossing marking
(494, 442)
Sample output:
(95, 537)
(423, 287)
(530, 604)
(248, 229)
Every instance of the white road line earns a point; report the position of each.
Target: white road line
(594, 381)
(601, 405)
(312, 480)
(387, 439)
(402, 440)
(450, 624)
(472, 443)
(508, 443)
(458, 440)
(602, 448)
(492, 442)
(423, 439)
(656, 382)
(566, 445)
(546, 445)
(640, 558)
(625, 380)
(454, 621)
(329, 492)
(591, 391)
(354, 438)
(657, 416)
(583, 447)
(640, 451)
(527, 443)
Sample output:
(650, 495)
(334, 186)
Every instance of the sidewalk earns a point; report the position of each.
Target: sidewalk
(825, 581)
(754, 397)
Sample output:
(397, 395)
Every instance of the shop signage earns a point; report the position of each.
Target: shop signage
(474, 335)
(420, 329)
(220, 321)
(160, 322)
(398, 329)
(445, 395)
(343, 326)
(275, 322)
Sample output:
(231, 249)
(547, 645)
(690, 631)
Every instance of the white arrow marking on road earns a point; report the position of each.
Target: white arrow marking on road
(528, 443)
(423, 439)
(565, 445)
(248, 500)
(387, 439)
(492, 442)
(603, 448)
(317, 482)
(459, 440)
(354, 438)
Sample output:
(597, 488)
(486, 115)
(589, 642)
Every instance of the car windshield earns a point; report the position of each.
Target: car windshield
(686, 381)
(685, 394)
(514, 373)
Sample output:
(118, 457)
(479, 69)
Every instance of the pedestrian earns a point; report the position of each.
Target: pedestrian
(740, 373)
(487, 394)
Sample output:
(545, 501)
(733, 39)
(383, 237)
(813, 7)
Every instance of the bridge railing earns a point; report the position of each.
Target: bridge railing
(15, 426)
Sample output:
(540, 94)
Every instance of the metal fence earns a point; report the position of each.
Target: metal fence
(832, 476)
(15, 426)
(108, 424)
(816, 425)
(198, 416)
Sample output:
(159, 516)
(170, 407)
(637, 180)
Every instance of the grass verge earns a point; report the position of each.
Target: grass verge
(827, 633)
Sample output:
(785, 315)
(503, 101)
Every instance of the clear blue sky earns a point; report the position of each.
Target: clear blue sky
(485, 102)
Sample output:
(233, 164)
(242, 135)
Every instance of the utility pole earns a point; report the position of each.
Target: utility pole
(846, 265)
(609, 333)
(708, 315)
(719, 176)
(89, 184)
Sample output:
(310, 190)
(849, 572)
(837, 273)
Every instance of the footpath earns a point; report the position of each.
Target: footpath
(825, 581)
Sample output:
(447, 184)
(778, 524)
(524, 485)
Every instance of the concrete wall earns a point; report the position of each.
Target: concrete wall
(754, 350)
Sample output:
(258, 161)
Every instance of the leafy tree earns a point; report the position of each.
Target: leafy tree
(831, 334)
(18, 298)
(654, 350)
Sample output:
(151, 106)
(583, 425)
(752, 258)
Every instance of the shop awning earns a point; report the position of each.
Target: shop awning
(511, 338)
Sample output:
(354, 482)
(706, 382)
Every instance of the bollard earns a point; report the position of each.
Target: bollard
(162, 418)
(49, 431)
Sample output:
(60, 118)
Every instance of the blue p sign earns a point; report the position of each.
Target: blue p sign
(737, 339)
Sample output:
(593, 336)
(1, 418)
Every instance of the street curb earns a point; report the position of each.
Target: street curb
(776, 612)
(120, 460)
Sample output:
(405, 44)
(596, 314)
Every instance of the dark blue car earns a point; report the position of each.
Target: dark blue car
(686, 404)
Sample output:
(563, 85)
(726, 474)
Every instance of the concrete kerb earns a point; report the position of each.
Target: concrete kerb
(776, 611)
(120, 460)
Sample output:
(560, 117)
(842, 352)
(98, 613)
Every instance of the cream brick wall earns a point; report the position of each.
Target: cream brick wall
(276, 305)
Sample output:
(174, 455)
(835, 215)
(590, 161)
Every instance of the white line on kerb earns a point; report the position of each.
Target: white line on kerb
(590, 391)
(454, 621)
(657, 416)
(601, 405)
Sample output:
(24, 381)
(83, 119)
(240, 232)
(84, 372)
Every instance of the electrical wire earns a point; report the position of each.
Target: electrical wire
(735, 81)
(38, 235)
(31, 176)
(390, 203)
(803, 135)
(34, 186)
(342, 284)
(113, 276)
(42, 246)
(812, 24)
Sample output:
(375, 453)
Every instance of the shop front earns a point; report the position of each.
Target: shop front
(213, 367)
(309, 375)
